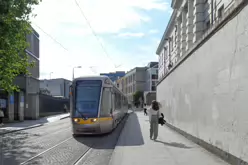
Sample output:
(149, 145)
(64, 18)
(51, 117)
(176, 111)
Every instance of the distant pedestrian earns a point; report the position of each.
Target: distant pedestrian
(145, 109)
(65, 108)
(1, 117)
(154, 115)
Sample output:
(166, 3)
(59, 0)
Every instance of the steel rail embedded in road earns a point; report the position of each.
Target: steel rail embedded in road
(83, 156)
(32, 158)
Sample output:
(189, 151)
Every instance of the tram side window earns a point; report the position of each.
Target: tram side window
(121, 101)
(117, 101)
(113, 101)
(106, 104)
(120, 104)
(125, 101)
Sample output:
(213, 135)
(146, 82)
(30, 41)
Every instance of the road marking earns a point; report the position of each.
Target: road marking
(82, 157)
(45, 151)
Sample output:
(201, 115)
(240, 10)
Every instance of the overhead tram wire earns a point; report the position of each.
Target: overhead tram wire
(51, 37)
(94, 33)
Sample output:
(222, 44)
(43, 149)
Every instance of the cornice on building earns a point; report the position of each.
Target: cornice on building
(167, 32)
(176, 4)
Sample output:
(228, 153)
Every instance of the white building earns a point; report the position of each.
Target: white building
(151, 76)
(56, 87)
(204, 93)
(188, 23)
(139, 79)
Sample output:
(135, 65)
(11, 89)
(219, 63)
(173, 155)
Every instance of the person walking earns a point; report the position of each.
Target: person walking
(154, 115)
(145, 109)
(1, 117)
(65, 108)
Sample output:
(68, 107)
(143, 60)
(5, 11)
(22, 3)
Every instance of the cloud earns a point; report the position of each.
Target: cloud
(128, 34)
(153, 31)
(103, 17)
(62, 20)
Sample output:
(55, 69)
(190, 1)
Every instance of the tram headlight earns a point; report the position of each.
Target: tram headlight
(93, 120)
(76, 120)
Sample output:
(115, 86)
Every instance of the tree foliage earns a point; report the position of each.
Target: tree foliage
(137, 96)
(14, 27)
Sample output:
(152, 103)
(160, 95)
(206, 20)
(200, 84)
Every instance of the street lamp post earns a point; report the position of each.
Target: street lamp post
(73, 71)
(51, 75)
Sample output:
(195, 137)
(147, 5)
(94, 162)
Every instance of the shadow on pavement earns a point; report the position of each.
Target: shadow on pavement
(174, 144)
(108, 141)
(26, 123)
(14, 148)
(30, 123)
(131, 134)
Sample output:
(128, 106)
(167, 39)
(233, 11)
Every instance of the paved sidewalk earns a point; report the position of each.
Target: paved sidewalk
(134, 147)
(26, 124)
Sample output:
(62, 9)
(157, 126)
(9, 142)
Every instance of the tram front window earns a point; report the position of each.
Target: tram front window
(87, 100)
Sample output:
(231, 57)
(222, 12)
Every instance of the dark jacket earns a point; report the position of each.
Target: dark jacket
(161, 119)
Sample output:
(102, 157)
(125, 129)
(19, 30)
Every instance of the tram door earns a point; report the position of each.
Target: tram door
(106, 109)
(113, 103)
(113, 108)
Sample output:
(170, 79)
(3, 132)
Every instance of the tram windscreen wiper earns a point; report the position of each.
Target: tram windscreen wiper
(80, 114)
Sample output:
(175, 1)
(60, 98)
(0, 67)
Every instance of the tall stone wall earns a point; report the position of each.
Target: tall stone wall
(207, 94)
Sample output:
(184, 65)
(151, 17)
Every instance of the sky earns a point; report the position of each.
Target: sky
(126, 35)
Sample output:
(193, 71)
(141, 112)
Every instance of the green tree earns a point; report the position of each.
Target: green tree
(14, 27)
(137, 96)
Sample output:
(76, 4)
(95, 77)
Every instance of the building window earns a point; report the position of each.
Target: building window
(175, 35)
(221, 11)
(207, 25)
(165, 50)
(162, 59)
(154, 76)
(171, 43)
(165, 55)
(153, 88)
(159, 61)
(154, 83)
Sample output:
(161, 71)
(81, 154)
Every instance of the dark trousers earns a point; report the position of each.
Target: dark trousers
(145, 111)
(1, 120)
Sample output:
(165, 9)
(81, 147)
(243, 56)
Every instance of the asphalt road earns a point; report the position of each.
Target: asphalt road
(53, 144)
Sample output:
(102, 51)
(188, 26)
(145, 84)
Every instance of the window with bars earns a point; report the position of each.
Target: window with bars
(221, 11)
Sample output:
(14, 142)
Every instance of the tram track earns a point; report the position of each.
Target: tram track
(81, 158)
(56, 146)
(84, 154)
(47, 150)
(55, 152)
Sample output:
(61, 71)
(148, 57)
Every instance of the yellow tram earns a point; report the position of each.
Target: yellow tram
(96, 105)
